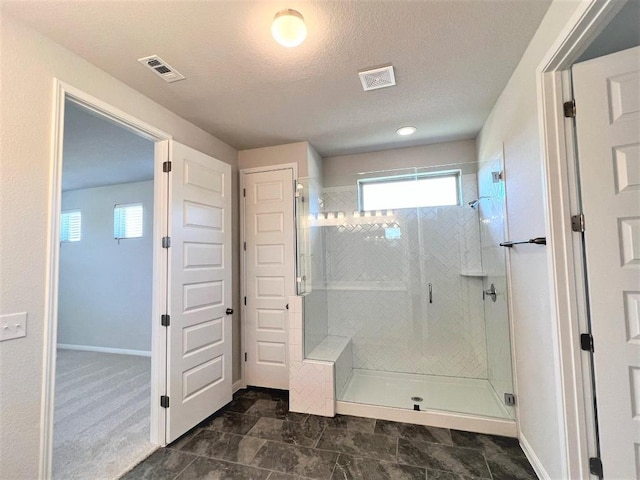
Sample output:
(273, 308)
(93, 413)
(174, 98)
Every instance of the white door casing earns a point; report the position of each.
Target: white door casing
(199, 335)
(269, 275)
(607, 95)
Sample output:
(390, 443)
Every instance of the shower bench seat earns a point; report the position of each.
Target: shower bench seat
(336, 349)
(330, 348)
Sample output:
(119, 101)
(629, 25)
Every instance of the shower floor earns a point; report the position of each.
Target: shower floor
(449, 394)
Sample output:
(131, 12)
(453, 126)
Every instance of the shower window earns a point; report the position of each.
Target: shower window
(410, 191)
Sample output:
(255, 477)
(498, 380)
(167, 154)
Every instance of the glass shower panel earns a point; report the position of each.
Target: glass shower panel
(310, 264)
(491, 210)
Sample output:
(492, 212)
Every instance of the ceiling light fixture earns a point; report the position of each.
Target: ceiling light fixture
(288, 28)
(406, 131)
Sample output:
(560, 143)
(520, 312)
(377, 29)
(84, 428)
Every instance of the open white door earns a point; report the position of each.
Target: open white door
(270, 275)
(199, 334)
(607, 94)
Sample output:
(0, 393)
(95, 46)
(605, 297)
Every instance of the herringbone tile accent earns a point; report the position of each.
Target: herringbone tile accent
(377, 287)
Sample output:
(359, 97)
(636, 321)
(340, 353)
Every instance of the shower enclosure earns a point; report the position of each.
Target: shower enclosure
(403, 279)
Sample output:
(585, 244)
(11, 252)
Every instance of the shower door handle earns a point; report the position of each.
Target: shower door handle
(430, 293)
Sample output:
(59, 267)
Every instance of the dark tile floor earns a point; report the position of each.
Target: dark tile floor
(256, 437)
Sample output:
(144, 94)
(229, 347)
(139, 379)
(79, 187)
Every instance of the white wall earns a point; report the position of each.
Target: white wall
(343, 170)
(514, 121)
(29, 64)
(105, 286)
(289, 153)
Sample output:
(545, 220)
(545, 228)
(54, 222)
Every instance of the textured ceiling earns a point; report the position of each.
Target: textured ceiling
(98, 152)
(452, 60)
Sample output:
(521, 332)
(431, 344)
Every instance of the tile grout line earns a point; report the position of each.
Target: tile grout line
(334, 467)
(315, 445)
(398, 450)
(196, 455)
(187, 466)
(486, 462)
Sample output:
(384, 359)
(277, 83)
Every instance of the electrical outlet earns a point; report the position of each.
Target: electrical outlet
(13, 326)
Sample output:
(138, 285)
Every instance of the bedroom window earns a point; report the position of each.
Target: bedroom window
(71, 226)
(127, 221)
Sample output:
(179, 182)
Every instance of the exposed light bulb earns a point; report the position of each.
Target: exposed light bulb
(288, 28)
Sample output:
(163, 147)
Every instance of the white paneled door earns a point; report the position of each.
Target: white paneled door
(269, 275)
(607, 94)
(199, 334)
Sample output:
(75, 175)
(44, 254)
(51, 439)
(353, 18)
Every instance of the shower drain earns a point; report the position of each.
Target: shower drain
(416, 399)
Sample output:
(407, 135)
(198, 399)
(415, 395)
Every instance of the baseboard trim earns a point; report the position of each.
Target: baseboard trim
(90, 348)
(239, 385)
(533, 459)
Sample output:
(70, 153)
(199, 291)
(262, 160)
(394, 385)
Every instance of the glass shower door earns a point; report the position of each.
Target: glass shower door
(492, 212)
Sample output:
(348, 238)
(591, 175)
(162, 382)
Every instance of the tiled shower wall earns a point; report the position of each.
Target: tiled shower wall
(377, 288)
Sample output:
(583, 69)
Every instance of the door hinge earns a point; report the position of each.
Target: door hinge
(509, 399)
(166, 167)
(166, 242)
(569, 109)
(244, 192)
(164, 401)
(595, 466)
(245, 246)
(586, 342)
(577, 223)
(165, 320)
(245, 300)
(245, 356)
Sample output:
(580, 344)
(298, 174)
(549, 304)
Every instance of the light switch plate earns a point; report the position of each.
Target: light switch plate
(13, 326)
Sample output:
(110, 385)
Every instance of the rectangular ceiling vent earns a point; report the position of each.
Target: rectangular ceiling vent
(161, 68)
(377, 78)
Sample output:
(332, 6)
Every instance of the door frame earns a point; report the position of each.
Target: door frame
(564, 257)
(243, 266)
(161, 139)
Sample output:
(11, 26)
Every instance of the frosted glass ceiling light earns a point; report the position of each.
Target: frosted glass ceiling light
(406, 131)
(288, 28)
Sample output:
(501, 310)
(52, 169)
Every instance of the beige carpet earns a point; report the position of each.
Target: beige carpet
(101, 421)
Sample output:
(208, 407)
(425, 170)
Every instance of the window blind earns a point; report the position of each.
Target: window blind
(127, 221)
(71, 226)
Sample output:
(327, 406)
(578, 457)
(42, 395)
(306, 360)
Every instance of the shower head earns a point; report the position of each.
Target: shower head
(474, 203)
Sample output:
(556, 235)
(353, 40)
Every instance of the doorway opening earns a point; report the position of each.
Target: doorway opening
(102, 411)
(104, 359)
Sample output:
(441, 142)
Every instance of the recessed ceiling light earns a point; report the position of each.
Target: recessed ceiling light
(288, 28)
(406, 131)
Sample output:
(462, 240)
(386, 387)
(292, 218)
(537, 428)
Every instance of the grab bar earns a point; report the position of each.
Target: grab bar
(537, 241)
(430, 293)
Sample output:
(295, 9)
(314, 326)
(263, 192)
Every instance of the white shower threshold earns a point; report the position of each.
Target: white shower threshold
(448, 402)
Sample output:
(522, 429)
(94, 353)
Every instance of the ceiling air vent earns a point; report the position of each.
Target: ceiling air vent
(161, 68)
(377, 78)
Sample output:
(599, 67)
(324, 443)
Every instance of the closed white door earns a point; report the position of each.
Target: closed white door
(269, 275)
(607, 94)
(199, 334)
